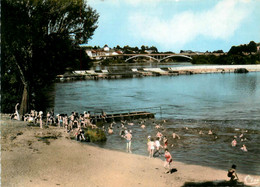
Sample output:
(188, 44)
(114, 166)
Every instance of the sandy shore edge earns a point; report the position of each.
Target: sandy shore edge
(28, 161)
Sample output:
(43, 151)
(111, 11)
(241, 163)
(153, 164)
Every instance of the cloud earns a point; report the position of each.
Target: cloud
(219, 22)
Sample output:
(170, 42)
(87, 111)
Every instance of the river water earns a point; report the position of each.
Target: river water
(227, 104)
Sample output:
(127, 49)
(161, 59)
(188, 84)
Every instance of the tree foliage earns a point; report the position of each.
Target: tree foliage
(246, 48)
(37, 45)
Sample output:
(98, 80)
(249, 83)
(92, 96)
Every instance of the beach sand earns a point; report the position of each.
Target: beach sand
(28, 159)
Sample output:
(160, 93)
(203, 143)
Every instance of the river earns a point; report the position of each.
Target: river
(228, 104)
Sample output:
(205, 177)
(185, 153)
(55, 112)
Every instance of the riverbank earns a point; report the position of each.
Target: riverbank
(141, 72)
(47, 157)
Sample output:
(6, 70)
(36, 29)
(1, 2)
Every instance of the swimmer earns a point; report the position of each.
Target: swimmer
(174, 135)
(111, 124)
(241, 135)
(131, 124)
(201, 132)
(210, 132)
(159, 135)
(157, 126)
(142, 126)
(186, 128)
(110, 130)
(234, 143)
(165, 141)
(243, 148)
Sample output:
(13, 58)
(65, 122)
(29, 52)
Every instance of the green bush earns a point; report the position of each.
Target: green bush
(95, 135)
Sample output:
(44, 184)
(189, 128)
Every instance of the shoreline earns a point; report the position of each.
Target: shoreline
(28, 161)
(142, 72)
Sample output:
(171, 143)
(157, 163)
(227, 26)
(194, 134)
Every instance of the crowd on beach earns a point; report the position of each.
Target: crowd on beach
(157, 145)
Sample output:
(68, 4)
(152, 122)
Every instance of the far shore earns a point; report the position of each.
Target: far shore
(141, 72)
(29, 158)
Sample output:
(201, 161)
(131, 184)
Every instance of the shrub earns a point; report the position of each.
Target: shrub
(95, 135)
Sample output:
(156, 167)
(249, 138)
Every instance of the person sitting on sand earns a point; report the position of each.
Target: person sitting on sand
(174, 135)
(168, 160)
(243, 148)
(232, 173)
(234, 143)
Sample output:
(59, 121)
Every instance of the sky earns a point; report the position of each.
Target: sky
(174, 25)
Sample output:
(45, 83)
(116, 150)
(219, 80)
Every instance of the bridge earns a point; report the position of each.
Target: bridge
(156, 57)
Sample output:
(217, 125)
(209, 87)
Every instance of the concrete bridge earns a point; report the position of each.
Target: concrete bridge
(156, 57)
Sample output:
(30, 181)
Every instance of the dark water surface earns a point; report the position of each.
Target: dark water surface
(228, 104)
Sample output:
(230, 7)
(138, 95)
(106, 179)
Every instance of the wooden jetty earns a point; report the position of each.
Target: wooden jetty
(123, 116)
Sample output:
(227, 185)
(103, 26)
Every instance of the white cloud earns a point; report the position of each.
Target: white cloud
(220, 22)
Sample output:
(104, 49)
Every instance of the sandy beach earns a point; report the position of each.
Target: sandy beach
(31, 156)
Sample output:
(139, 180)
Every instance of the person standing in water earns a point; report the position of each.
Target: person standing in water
(128, 138)
(151, 145)
(157, 146)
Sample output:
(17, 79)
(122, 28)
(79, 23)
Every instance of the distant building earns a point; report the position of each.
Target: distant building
(102, 52)
(106, 48)
(149, 51)
(258, 48)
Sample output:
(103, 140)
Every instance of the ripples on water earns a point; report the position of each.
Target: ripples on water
(221, 102)
(208, 150)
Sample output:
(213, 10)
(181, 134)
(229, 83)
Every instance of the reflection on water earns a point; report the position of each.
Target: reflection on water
(221, 102)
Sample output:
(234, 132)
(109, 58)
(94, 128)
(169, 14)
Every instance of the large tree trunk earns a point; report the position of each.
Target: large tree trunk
(25, 100)
(25, 97)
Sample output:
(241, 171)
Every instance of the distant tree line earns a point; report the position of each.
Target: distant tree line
(130, 50)
(243, 54)
(37, 44)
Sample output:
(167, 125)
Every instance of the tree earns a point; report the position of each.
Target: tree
(37, 44)
(252, 47)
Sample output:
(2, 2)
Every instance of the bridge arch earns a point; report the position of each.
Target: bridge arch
(175, 56)
(147, 56)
